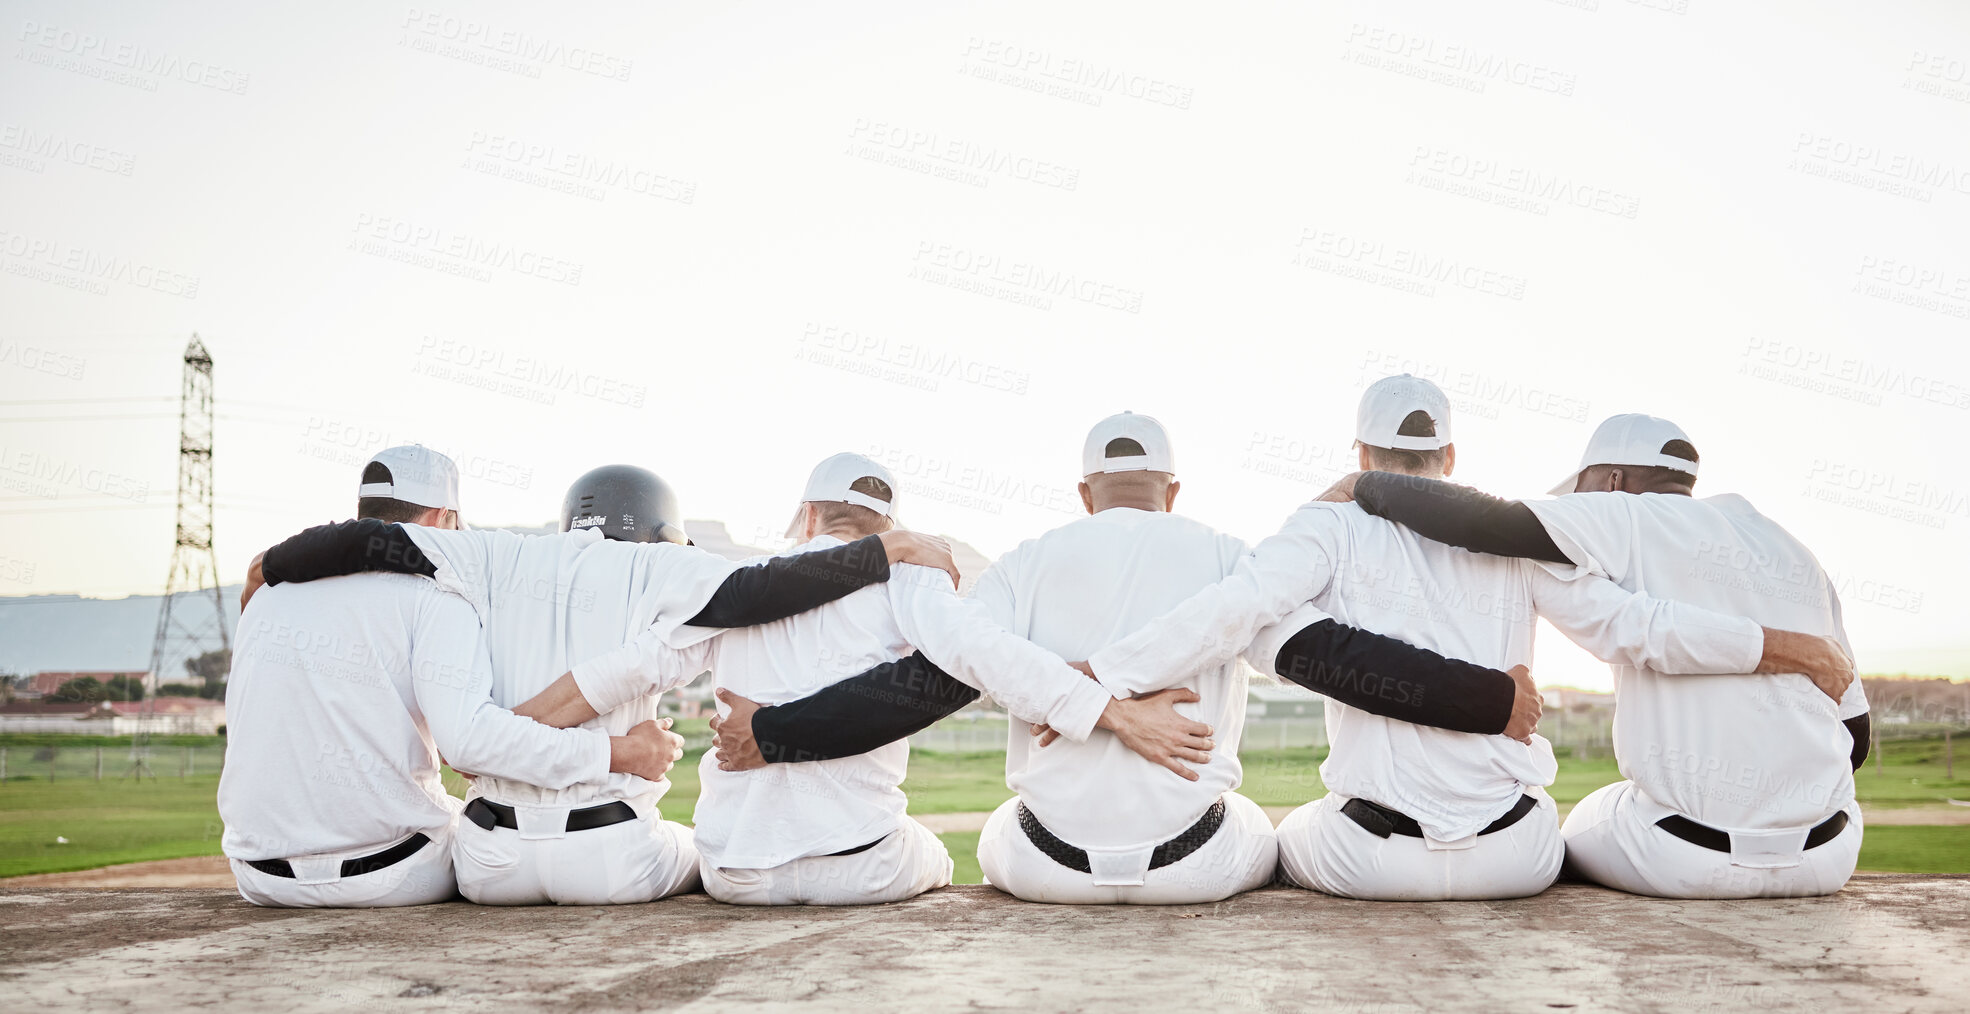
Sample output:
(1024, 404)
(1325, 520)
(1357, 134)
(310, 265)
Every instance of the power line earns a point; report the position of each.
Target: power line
(90, 401)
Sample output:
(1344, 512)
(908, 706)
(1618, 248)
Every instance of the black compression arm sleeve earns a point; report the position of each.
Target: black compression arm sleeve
(1457, 515)
(889, 702)
(1858, 726)
(786, 585)
(350, 547)
(1392, 678)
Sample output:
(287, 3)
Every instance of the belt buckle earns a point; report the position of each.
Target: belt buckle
(1768, 850)
(313, 870)
(541, 822)
(1120, 869)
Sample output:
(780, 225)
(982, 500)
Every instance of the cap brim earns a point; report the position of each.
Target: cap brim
(1567, 485)
(793, 526)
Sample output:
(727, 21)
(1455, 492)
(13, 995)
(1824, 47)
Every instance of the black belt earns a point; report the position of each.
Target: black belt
(856, 850)
(351, 867)
(489, 815)
(1165, 854)
(1720, 841)
(1381, 821)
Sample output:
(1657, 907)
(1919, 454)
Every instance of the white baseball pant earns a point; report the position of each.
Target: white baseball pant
(543, 863)
(905, 863)
(1241, 856)
(422, 879)
(1323, 849)
(1611, 839)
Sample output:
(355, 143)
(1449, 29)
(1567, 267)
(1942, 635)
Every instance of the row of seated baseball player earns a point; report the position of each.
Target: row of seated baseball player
(536, 663)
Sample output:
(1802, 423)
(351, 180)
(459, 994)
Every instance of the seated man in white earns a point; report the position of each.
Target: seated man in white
(1734, 786)
(344, 692)
(1415, 813)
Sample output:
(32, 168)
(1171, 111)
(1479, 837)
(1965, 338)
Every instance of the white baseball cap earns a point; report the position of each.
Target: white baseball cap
(1631, 439)
(832, 481)
(1144, 430)
(416, 474)
(1390, 400)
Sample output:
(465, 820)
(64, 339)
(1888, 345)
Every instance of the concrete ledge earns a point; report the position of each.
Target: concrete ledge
(1886, 942)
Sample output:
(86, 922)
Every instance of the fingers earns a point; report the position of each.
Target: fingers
(725, 695)
(1049, 737)
(1194, 756)
(1085, 669)
(1182, 695)
(1197, 730)
(1174, 765)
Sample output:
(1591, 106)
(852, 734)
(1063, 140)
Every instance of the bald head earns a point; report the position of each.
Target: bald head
(1140, 489)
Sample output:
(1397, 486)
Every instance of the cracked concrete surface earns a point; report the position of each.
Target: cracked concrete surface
(1887, 942)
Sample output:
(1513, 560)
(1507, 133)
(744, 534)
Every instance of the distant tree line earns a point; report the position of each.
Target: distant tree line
(210, 669)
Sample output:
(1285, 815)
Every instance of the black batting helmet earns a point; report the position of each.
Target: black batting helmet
(625, 503)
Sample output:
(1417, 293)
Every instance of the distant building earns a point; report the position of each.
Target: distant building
(1282, 700)
(1572, 699)
(42, 684)
(170, 716)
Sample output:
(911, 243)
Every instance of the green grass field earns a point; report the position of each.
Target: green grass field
(117, 820)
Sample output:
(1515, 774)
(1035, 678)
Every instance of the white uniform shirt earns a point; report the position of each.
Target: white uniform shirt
(769, 816)
(334, 686)
(1075, 590)
(1373, 574)
(1734, 752)
(551, 601)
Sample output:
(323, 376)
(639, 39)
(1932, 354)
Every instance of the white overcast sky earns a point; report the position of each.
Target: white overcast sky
(1748, 217)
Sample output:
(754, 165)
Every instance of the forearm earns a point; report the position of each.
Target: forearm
(890, 702)
(1218, 622)
(1631, 628)
(349, 547)
(1392, 678)
(635, 669)
(785, 586)
(1032, 683)
(1457, 515)
(486, 739)
(560, 706)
